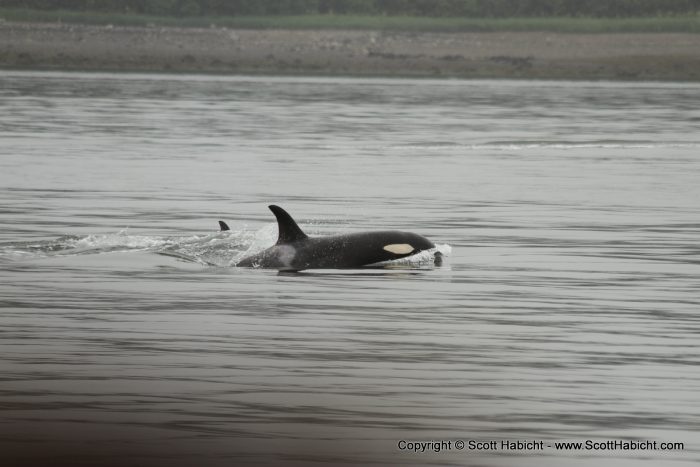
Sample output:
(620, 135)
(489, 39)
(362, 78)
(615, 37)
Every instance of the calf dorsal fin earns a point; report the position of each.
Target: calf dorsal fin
(289, 231)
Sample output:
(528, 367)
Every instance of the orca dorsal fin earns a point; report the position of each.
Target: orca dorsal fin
(223, 226)
(289, 231)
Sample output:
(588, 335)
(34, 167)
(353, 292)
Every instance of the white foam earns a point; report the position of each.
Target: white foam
(543, 145)
(120, 240)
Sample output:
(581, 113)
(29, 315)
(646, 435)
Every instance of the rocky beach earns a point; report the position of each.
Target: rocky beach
(525, 55)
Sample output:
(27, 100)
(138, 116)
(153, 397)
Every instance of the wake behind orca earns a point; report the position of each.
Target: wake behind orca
(296, 251)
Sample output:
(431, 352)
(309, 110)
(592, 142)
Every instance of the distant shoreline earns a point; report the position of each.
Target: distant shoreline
(682, 23)
(523, 55)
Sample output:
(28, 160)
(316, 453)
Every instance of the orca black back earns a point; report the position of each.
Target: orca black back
(295, 251)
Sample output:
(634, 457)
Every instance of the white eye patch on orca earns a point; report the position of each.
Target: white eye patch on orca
(399, 248)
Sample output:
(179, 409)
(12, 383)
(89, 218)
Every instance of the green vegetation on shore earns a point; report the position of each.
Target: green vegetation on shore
(424, 8)
(387, 23)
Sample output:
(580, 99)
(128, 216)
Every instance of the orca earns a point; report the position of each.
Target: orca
(296, 251)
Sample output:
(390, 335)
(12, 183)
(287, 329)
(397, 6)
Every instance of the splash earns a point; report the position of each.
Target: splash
(216, 249)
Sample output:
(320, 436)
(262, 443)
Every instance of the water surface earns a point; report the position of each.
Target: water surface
(566, 308)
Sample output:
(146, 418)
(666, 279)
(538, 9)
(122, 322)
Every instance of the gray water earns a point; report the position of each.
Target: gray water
(567, 307)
